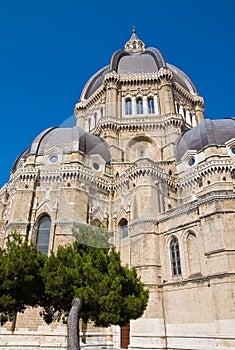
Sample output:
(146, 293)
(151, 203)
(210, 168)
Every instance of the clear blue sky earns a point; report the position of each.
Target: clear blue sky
(49, 49)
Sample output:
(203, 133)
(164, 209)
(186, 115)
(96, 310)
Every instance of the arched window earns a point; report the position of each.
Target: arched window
(43, 234)
(123, 224)
(139, 106)
(175, 257)
(151, 109)
(128, 106)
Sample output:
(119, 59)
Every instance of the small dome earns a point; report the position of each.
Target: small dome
(68, 140)
(208, 132)
(136, 59)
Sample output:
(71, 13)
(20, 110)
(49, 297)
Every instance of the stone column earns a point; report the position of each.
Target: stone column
(166, 98)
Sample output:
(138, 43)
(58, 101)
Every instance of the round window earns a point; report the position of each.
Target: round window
(96, 166)
(53, 159)
(191, 161)
(233, 150)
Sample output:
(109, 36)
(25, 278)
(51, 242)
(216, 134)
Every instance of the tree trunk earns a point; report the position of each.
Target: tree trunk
(73, 342)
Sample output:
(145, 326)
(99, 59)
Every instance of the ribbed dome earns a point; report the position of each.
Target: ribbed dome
(208, 132)
(135, 59)
(68, 140)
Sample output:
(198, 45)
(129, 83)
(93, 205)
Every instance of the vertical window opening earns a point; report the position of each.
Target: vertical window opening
(177, 108)
(175, 257)
(123, 224)
(139, 105)
(43, 234)
(101, 112)
(128, 107)
(151, 109)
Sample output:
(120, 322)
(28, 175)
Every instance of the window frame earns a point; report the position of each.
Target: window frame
(123, 225)
(128, 106)
(42, 232)
(151, 105)
(139, 106)
(175, 257)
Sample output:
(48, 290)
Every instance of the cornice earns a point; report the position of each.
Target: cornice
(133, 79)
(139, 170)
(194, 99)
(80, 173)
(185, 209)
(207, 168)
(144, 123)
(94, 98)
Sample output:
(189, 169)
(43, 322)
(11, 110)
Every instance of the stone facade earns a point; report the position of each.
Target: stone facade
(143, 162)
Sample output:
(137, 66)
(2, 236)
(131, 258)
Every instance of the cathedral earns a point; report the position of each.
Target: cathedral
(143, 162)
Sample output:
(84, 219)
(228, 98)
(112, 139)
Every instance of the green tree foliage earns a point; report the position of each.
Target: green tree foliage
(90, 269)
(110, 293)
(21, 284)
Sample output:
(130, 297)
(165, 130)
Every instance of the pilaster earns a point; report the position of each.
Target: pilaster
(111, 81)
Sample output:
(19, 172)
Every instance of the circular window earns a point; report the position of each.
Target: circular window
(233, 150)
(96, 166)
(191, 161)
(53, 159)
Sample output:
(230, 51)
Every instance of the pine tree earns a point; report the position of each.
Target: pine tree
(84, 280)
(21, 284)
(95, 282)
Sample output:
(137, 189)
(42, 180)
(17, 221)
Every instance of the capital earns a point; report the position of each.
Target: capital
(165, 76)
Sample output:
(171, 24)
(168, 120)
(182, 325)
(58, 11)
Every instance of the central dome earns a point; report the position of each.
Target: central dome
(136, 59)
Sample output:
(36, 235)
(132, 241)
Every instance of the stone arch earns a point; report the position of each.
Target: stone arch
(143, 142)
(192, 252)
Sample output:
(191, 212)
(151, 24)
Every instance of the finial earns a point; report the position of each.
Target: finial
(133, 29)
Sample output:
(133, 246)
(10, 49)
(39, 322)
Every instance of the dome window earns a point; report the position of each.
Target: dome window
(233, 150)
(128, 106)
(54, 159)
(139, 106)
(151, 109)
(191, 161)
(96, 166)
